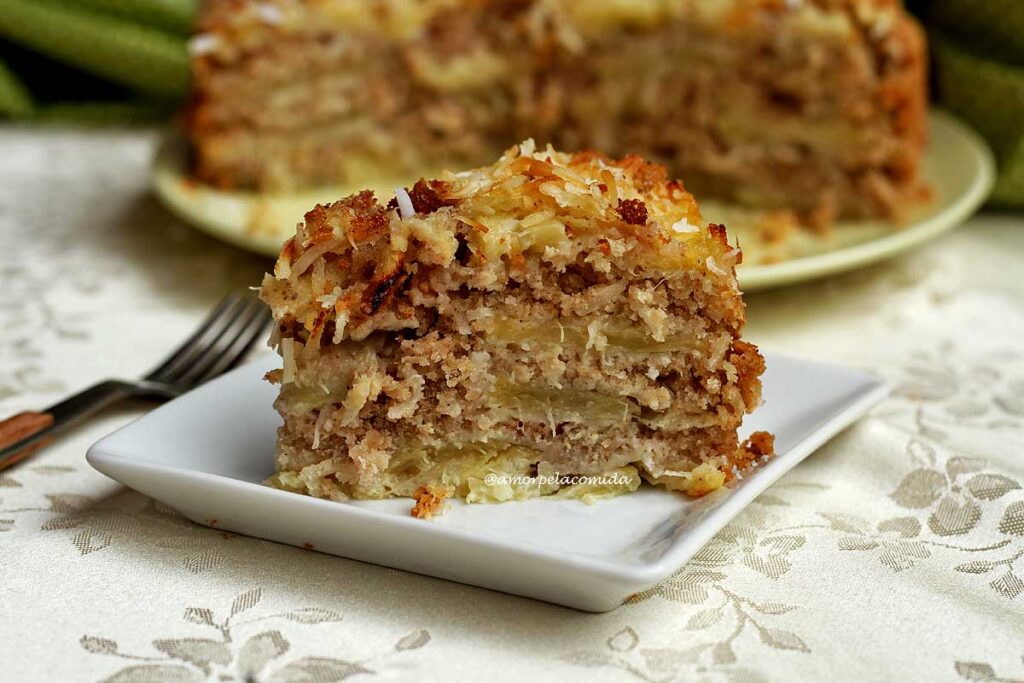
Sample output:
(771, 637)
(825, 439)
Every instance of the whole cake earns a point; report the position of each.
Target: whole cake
(815, 106)
(553, 324)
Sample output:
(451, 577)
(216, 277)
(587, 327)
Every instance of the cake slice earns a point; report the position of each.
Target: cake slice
(554, 324)
(812, 106)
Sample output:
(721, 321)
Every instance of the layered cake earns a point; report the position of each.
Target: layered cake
(553, 324)
(813, 106)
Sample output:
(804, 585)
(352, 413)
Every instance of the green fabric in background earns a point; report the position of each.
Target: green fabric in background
(978, 74)
(988, 95)
(102, 113)
(994, 27)
(175, 16)
(142, 58)
(14, 97)
(93, 62)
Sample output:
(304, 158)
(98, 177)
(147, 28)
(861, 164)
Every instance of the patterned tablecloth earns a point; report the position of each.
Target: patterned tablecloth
(896, 552)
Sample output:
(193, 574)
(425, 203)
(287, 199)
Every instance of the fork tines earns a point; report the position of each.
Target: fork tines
(218, 343)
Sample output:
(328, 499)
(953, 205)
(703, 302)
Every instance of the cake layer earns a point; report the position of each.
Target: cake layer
(577, 410)
(384, 469)
(432, 371)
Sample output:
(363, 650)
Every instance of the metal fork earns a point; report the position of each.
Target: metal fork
(216, 346)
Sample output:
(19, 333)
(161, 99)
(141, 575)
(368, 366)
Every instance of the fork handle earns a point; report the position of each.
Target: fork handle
(27, 432)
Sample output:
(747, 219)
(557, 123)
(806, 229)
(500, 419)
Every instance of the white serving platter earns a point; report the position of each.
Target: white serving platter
(207, 452)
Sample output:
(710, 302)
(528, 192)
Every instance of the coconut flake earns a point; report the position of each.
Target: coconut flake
(269, 14)
(318, 278)
(655, 319)
(330, 299)
(405, 207)
(595, 338)
(714, 267)
(340, 322)
(364, 388)
(288, 356)
(320, 420)
(202, 44)
(683, 226)
(881, 25)
(310, 256)
(536, 218)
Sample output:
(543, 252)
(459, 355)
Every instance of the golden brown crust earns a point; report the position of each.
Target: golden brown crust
(374, 263)
(749, 367)
(759, 444)
(756, 448)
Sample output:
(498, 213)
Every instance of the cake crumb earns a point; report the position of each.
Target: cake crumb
(429, 502)
(758, 446)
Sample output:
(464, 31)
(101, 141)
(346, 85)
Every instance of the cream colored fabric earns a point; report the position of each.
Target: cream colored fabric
(894, 553)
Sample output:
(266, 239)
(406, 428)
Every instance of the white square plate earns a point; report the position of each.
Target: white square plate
(207, 452)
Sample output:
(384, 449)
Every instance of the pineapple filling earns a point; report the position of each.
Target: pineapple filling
(613, 335)
(556, 406)
(480, 473)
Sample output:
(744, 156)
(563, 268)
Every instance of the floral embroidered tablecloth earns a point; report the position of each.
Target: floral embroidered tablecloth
(896, 552)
